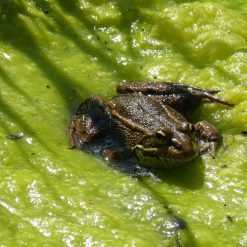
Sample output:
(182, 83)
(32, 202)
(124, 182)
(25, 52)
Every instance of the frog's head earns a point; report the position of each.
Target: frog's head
(166, 147)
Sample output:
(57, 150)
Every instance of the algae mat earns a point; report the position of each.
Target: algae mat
(53, 54)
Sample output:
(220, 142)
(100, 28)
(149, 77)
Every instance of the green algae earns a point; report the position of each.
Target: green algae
(54, 54)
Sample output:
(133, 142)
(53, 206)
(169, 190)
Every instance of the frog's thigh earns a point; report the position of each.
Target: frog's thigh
(148, 87)
(90, 122)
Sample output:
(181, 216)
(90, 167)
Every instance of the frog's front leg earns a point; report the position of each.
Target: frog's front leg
(209, 136)
(89, 124)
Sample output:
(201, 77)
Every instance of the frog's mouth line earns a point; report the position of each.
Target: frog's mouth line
(164, 155)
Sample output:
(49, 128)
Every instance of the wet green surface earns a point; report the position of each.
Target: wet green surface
(53, 54)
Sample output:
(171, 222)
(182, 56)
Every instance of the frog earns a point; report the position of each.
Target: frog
(146, 122)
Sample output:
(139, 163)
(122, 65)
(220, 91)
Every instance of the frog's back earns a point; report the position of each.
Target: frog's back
(135, 116)
(140, 109)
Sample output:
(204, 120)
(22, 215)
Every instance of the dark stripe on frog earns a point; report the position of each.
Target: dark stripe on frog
(176, 117)
(131, 123)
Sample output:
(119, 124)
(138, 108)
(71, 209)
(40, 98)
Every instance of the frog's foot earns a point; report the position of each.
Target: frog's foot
(209, 135)
(90, 123)
(207, 95)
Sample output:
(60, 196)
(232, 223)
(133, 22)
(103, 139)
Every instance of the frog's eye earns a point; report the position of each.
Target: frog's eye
(161, 135)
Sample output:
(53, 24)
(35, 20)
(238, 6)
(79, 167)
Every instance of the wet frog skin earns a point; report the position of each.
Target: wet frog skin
(146, 121)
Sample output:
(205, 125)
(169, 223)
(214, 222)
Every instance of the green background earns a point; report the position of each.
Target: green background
(54, 54)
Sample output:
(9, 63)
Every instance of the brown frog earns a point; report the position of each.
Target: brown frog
(146, 121)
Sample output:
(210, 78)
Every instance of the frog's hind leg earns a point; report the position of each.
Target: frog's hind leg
(162, 88)
(179, 96)
(89, 124)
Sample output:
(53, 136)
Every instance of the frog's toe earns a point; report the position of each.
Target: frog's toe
(211, 147)
(210, 97)
(207, 95)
